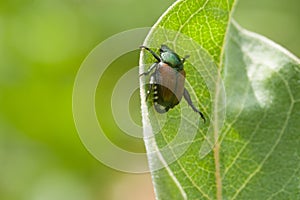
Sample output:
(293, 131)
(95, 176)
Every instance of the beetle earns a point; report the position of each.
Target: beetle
(167, 80)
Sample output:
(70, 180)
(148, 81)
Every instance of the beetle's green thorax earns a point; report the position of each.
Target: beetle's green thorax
(171, 58)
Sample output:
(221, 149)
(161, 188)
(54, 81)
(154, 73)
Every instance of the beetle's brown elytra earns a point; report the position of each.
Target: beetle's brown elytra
(167, 80)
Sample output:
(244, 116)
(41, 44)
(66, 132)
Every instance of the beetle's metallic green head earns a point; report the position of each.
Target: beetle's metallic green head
(171, 58)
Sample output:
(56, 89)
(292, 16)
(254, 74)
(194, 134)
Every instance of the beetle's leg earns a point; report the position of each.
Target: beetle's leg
(187, 97)
(159, 108)
(149, 70)
(150, 88)
(152, 52)
(183, 59)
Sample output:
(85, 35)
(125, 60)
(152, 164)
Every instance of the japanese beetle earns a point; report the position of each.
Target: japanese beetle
(167, 80)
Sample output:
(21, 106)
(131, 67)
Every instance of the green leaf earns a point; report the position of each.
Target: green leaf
(249, 90)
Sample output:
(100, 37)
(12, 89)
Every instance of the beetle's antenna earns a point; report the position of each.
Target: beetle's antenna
(184, 58)
(152, 52)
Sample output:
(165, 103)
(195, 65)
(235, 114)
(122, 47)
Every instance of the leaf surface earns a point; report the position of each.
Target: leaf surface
(249, 90)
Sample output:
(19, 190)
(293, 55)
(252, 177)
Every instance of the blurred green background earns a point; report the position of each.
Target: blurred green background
(42, 44)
